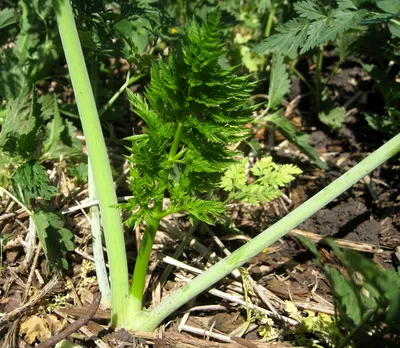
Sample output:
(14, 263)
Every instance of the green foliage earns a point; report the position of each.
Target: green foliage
(55, 238)
(32, 180)
(79, 173)
(333, 118)
(269, 177)
(319, 324)
(29, 60)
(367, 297)
(34, 130)
(390, 90)
(32, 187)
(299, 139)
(317, 24)
(7, 17)
(194, 102)
(279, 83)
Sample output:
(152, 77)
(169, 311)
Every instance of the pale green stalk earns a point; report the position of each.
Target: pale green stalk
(95, 225)
(270, 21)
(99, 161)
(149, 321)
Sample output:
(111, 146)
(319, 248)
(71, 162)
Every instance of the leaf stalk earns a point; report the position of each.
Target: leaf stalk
(99, 161)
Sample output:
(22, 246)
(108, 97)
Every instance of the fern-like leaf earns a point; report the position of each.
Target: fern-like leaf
(194, 102)
(268, 178)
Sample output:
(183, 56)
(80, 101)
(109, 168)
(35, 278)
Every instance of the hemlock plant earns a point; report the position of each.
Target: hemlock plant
(193, 110)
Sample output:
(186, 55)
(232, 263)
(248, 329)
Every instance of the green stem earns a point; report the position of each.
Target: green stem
(318, 78)
(99, 161)
(270, 21)
(142, 261)
(177, 139)
(364, 321)
(151, 320)
(112, 100)
(302, 78)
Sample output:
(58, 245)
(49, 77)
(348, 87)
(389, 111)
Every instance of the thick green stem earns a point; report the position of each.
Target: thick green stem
(142, 261)
(99, 161)
(151, 320)
(176, 141)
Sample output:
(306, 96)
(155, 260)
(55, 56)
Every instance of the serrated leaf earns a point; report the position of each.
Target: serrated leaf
(55, 238)
(346, 4)
(343, 20)
(291, 35)
(60, 134)
(333, 118)
(315, 26)
(20, 128)
(53, 131)
(310, 9)
(14, 80)
(300, 140)
(32, 179)
(279, 83)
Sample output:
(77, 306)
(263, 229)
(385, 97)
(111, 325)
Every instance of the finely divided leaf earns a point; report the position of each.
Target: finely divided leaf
(268, 178)
(203, 210)
(201, 107)
(279, 83)
(235, 177)
(271, 174)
